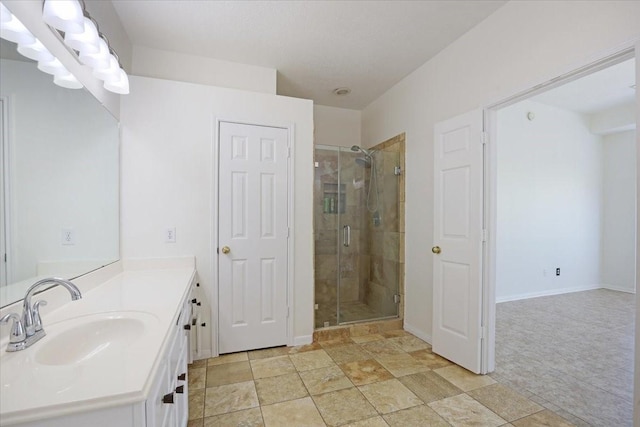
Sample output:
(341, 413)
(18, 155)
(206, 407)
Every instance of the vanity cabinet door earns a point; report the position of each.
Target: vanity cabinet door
(157, 410)
(182, 391)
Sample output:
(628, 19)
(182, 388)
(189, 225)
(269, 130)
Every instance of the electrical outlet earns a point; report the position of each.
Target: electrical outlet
(67, 237)
(558, 271)
(170, 235)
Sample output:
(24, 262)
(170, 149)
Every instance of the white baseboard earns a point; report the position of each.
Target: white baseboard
(203, 355)
(417, 332)
(547, 293)
(618, 289)
(302, 340)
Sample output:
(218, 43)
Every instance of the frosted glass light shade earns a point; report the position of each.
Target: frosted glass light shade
(85, 42)
(119, 85)
(65, 15)
(5, 15)
(97, 60)
(108, 73)
(54, 67)
(35, 51)
(68, 81)
(15, 32)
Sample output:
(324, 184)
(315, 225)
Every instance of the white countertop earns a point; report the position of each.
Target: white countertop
(32, 390)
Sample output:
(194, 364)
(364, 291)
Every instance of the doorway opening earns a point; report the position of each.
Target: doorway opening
(563, 255)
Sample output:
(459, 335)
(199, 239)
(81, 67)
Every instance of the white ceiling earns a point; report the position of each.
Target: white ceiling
(595, 92)
(316, 46)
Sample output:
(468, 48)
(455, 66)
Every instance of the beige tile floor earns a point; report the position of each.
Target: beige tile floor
(388, 379)
(571, 353)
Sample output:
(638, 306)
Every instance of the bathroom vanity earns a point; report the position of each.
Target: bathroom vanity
(116, 357)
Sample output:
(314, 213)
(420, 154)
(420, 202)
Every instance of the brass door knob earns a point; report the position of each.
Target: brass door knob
(436, 249)
(226, 249)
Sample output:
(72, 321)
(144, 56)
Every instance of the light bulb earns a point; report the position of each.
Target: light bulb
(15, 32)
(68, 81)
(65, 15)
(119, 85)
(97, 60)
(5, 15)
(54, 67)
(35, 51)
(108, 73)
(85, 42)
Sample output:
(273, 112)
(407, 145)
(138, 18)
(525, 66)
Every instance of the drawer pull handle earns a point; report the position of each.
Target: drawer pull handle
(167, 398)
(180, 389)
(187, 327)
(182, 377)
(193, 301)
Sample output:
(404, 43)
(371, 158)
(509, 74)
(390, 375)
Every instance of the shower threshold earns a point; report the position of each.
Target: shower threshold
(375, 319)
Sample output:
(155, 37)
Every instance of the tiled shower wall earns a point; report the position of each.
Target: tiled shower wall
(372, 268)
(386, 241)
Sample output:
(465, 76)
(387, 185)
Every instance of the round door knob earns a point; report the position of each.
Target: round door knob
(226, 249)
(436, 249)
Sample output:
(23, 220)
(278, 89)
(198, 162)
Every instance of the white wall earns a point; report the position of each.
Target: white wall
(522, 44)
(168, 164)
(549, 202)
(183, 67)
(619, 212)
(618, 119)
(336, 126)
(63, 152)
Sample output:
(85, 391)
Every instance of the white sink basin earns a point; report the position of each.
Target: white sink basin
(85, 338)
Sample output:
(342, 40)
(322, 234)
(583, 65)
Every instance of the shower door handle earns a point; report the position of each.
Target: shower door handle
(346, 236)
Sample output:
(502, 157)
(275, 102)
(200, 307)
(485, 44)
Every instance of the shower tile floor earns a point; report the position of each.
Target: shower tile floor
(352, 311)
(560, 361)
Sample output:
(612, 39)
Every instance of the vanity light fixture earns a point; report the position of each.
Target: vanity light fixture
(35, 51)
(81, 34)
(67, 80)
(29, 46)
(12, 29)
(64, 15)
(70, 20)
(87, 40)
(53, 67)
(118, 85)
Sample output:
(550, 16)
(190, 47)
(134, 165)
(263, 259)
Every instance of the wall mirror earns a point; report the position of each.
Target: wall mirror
(59, 210)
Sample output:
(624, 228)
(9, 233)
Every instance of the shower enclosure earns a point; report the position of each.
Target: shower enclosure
(356, 233)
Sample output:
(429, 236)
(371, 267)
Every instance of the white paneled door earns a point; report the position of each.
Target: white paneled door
(458, 245)
(252, 236)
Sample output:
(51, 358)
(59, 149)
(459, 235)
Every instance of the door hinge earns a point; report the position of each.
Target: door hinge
(484, 235)
(485, 137)
(288, 232)
(483, 332)
(396, 299)
(288, 311)
(288, 152)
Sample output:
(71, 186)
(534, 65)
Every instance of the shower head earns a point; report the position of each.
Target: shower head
(364, 151)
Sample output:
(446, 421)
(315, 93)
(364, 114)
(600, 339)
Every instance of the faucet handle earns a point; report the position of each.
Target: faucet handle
(37, 320)
(18, 333)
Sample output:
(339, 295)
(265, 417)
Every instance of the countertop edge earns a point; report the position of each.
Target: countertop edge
(55, 410)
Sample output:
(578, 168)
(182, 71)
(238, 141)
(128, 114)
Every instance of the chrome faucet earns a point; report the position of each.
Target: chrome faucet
(27, 329)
